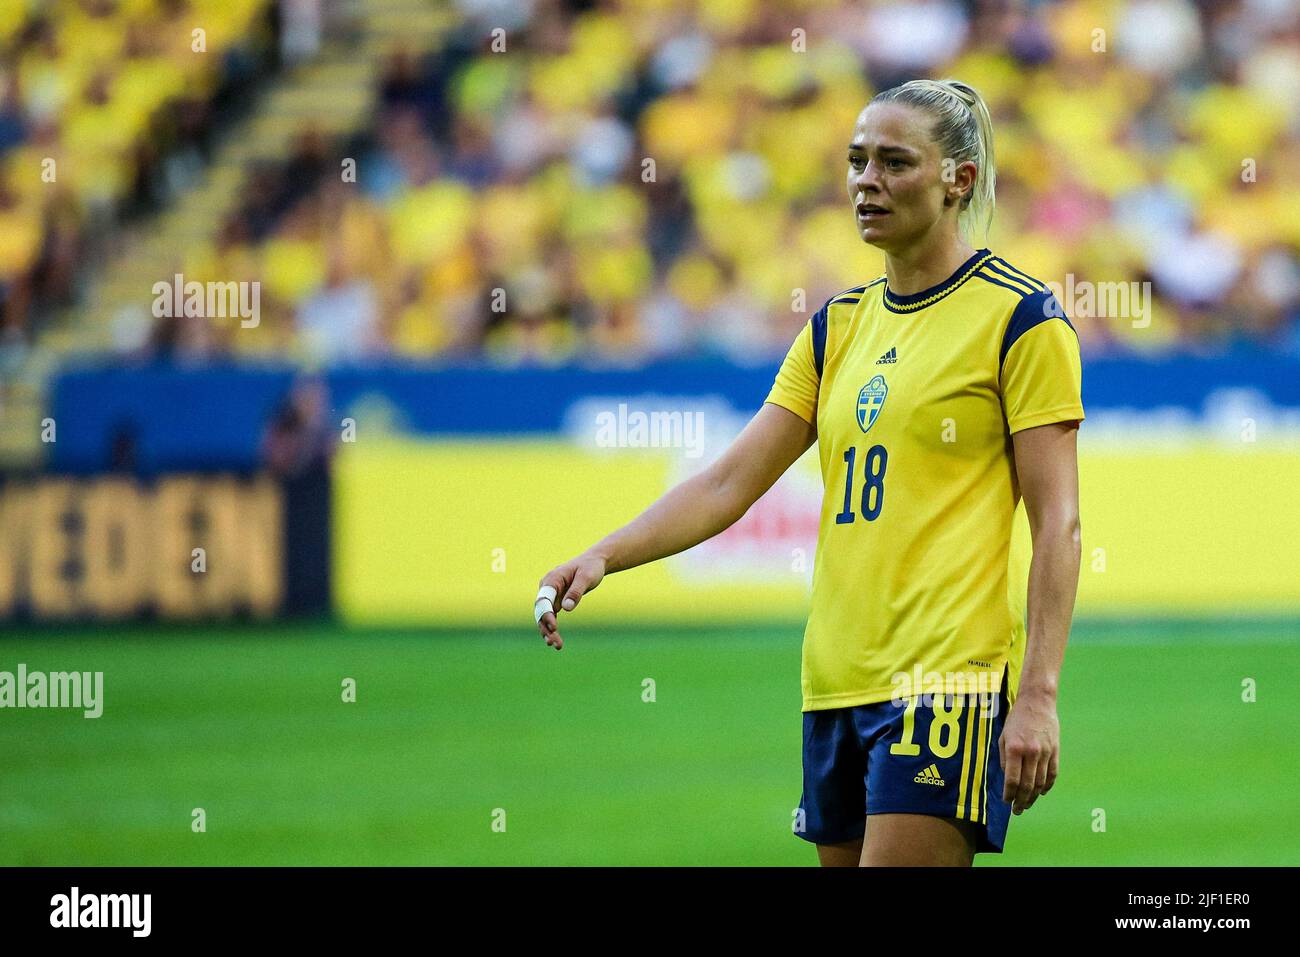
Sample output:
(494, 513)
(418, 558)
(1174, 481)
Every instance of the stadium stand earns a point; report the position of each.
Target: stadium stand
(617, 181)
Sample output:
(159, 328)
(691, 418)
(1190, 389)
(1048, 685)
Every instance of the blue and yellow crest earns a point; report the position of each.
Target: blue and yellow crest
(870, 401)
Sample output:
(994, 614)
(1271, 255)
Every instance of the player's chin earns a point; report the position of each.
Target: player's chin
(874, 234)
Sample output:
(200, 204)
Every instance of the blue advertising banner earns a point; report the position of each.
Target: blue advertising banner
(215, 417)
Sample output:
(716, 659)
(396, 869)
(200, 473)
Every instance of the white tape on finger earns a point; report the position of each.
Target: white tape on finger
(545, 602)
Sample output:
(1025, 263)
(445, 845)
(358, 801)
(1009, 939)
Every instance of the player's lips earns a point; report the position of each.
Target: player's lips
(871, 211)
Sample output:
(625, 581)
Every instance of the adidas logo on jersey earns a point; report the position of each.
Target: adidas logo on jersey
(929, 776)
(888, 358)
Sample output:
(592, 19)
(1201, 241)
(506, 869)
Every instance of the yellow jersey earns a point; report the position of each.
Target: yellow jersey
(915, 399)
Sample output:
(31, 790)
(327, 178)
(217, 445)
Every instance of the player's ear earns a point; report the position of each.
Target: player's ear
(960, 184)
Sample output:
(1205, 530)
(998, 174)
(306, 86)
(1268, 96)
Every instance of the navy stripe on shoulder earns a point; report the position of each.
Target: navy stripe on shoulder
(848, 297)
(819, 339)
(1031, 311)
(1020, 273)
(999, 281)
(1020, 282)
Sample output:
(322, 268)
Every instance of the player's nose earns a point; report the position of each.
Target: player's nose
(867, 182)
(867, 179)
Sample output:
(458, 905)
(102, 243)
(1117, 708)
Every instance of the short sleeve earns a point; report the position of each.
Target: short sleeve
(1041, 369)
(799, 378)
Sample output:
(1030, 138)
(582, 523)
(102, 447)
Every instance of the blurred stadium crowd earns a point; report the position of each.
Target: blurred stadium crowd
(102, 105)
(611, 181)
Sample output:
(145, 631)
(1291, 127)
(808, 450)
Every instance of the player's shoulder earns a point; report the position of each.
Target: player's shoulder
(851, 297)
(1025, 301)
(1010, 284)
(841, 305)
(834, 312)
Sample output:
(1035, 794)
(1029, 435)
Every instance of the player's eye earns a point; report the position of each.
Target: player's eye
(855, 161)
(895, 163)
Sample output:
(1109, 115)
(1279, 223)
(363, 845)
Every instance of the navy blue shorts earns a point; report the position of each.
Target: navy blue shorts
(930, 754)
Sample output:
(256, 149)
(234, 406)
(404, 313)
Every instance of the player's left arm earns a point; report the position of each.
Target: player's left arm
(1047, 466)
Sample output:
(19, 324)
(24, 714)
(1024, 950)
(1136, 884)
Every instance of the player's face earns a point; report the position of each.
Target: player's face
(894, 176)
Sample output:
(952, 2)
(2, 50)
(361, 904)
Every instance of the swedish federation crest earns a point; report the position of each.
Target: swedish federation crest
(870, 401)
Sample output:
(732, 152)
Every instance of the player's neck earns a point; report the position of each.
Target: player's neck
(912, 270)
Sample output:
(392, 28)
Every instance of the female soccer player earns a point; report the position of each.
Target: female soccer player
(940, 394)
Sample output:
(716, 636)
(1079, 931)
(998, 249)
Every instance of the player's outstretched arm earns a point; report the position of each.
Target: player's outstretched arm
(689, 513)
(1046, 464)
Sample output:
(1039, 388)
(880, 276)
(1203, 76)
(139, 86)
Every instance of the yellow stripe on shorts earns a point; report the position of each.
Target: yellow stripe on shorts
(965, 766)
(981, 767)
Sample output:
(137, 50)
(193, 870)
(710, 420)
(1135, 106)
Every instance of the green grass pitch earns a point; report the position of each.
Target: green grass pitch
(248, 724)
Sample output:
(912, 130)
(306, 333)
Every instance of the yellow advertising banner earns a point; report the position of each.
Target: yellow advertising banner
(458, 533)
(183, 547)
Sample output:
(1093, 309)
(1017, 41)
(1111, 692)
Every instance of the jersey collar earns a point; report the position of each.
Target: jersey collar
(927, 297)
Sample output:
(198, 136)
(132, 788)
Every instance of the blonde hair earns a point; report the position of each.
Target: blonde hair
(964, 131)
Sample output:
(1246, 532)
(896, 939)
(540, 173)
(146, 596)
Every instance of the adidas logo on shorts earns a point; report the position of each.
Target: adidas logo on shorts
(929, 776)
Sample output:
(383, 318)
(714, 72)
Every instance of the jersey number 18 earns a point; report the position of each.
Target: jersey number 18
(873, 487)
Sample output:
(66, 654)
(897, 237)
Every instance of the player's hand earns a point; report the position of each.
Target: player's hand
(1030, 747)
(570, 582)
